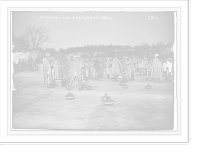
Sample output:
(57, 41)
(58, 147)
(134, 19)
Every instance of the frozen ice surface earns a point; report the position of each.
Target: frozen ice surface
(135, 108)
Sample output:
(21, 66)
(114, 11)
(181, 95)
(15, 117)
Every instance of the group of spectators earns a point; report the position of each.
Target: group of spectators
(76, 67)
(144, 68)
(103, 67)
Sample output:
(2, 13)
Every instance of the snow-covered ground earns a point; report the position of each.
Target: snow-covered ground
(136, 108)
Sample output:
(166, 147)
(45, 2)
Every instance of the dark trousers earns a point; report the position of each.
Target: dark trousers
(149, 72)
(56, 73)
(140, 70)
(89, 73)
(144, 71)
(110, 72)
(104, 73)
(45, 78)
(73, 74)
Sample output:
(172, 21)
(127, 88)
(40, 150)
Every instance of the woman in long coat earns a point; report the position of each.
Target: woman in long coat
(115, 67)
(157, 65)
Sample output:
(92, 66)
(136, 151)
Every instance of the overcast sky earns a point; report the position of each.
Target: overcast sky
(72, 29)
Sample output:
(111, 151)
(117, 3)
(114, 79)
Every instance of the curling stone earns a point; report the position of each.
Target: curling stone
(148, 86)
(125, 86)
(121, 83)
(69, 96)
(107, 100)
(89, 87)
(167, 78)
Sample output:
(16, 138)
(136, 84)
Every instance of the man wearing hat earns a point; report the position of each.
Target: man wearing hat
(76, 65)
(46, 68)
(56, 68)
(63, 63)
(110, 67)
(157, 68)
(12, 71)
(128, 72)
(115, 67)
(144, 68)
(124, 69)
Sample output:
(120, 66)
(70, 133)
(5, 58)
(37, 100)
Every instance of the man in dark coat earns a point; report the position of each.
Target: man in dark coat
(103, 68)
(56, 68)
(140, 66)
(132, 66)
(164, 68)
(115, 67)
(110, 67)
(156, 68)
(63, 63)
(89, 68)
(76, 70)
(70, 65)
(144, 64)
(12, 71)
(47, 68)
(128, 73)
(124, 70)
(169, 65)
(97, 68)
(84, 69)
(92, 68)
(149, 67)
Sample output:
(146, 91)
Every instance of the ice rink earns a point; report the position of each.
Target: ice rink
(136, 108)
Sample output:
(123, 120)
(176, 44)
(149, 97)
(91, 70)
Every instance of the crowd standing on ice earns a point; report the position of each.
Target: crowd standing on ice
(65, 69)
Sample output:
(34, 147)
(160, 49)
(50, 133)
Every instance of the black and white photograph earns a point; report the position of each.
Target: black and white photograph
(93, 70)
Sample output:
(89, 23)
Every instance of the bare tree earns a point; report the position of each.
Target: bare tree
(36, 37)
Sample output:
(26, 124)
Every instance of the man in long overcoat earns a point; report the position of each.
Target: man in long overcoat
(110, 67)
(144, 68)
(128, 68)
(124, 70)
(63, 63)
(47, 68)
(76, 70)
(115, 67)
(157, 66)
(169, 65)
(12, 70)
(56, 68)
(149, 67)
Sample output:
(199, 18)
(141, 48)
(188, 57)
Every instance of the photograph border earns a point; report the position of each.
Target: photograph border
(178, 132)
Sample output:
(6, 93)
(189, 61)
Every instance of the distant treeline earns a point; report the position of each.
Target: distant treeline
(144, 50)
(98, 50)
(95, 48)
